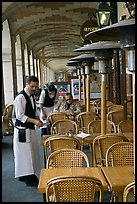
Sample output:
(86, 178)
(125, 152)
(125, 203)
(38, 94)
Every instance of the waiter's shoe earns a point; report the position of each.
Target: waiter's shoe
(32, 180)
(22, 178)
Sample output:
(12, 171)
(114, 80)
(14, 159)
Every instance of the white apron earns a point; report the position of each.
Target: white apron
(26, 155)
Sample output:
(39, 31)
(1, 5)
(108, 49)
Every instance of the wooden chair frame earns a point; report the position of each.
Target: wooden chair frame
(130, 188)
(74, 189)
(100, 145)
(64, 127)
(67, 158)
(84, 118)
(7, 118)
(95, 127)
(55, 116)
(120, 154)
(125, 126)
(60, 142)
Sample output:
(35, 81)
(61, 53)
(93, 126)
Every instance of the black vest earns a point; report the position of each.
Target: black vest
(49, 102)
(30, 112)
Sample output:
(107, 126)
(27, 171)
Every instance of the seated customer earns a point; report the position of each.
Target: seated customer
(68, 105)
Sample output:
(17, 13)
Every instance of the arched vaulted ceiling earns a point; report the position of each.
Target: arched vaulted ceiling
(52, 26)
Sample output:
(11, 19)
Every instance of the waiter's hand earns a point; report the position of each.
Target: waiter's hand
(39, 123)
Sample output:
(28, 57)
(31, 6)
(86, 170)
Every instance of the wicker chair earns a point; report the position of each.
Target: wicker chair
(97, 106)
(129, 193)
(7, 119)
(67, 158)
(95, 127)
(59, 142)
(116, 116)
(125, 126)
(100, 145)
(74, 189)
(120, 154)
(84, 118)
(53, 117)
(64, 127)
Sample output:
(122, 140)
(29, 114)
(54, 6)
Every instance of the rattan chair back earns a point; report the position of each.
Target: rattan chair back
(95, 127)
(120, 154)
(100, 145)
(84, 118)
(115, 107)
(129, 193)
(97, 106)
(125, 126)
(67, 158)
(7, 117)
(64, 127)
(54, 143)
(74, 189)
(55, 116)
(116, 116)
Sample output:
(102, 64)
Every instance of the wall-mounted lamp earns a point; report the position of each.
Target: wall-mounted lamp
(103, 14)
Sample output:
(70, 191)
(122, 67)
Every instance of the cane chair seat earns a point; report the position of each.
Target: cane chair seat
(60, 142)
(125, 126)
(84, 118)
(74, 189)
(129, 193)
(100, 145)
(64, 127)
(95, 127)
(67, 158)
(53, 117)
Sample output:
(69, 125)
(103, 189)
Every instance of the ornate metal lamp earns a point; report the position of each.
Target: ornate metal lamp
(103, 14)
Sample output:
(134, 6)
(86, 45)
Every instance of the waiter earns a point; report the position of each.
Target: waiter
(48, 98)
(25, 142)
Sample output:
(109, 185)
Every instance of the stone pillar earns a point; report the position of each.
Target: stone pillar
(8, 93)
(19, 65)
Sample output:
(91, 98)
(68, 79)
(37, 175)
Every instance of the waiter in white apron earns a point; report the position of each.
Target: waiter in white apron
(25, 142)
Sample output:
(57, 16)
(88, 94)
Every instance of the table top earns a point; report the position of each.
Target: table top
(118, 176)
(47, 174)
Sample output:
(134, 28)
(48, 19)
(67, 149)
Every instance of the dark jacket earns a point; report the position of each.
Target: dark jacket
(49, 102)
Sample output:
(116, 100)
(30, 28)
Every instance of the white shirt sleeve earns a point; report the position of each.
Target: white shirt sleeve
(19, 107)
(42, 97)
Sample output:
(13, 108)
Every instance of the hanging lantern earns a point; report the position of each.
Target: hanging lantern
(103, 14)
